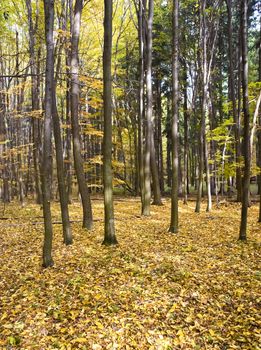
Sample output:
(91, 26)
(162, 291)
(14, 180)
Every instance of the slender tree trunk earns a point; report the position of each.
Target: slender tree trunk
(246, 136)
(35, 99)
(208, 184)
(47, 145)
(233, 99)
(168, 132)
(18, 130)
(186, 117)
(159, 135)
(259, 131)
(141, 101)
(75, 92)
(149, 106)
(239, 109)
(68, 145)
(67, 234)
(175, 111)
(203, 72)
(109, 229)
(155, 174)
(259, 177)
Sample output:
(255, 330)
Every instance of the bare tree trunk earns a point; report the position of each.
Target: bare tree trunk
(155, 174)
(175, 111)
(259, 132)
(208, 184)
(147, 150)
(47, 145)
(109, 229)
(35, 98)
(186, 117)
(68, 146)
(18, 130)
(202, 61)
(141, 100)
(246, 136)
(159, 135)
(233, 100)
(67, 234)
(75, 92)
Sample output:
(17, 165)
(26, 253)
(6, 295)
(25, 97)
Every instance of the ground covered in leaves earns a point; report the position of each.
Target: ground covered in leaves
(198, 289)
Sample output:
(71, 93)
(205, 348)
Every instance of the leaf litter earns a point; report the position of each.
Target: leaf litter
(198, 289)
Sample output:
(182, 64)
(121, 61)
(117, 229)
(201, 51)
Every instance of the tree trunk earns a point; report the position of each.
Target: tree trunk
(109, 229)
(140, 15)
(175, 111)
(47, 145)
(186, 117)
(159, 135)
(155, 174)
(246, 135)
(67, 234)
(35, 99)
(149, 107)
(18, 130)
(259, 131)
(75, 92)
(203, 72)
(233, 100)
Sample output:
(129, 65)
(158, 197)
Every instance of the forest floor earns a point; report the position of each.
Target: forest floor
(198, 289)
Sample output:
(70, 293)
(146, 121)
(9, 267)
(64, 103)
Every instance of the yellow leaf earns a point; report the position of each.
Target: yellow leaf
(173, 308)
(212, 333)
(99, 324)
(80, 340)
(181, 334)
(4, 316)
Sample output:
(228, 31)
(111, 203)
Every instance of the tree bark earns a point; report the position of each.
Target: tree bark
(149, 107)
(35, 99)
(155, 174)
(246, 135)
(175, 111)
(109, 229)
(141, 100)
(47, 145)
(75, 92)
(18, 130)
(186, 117)
(203, 72)
(233, 100)
(67, 234)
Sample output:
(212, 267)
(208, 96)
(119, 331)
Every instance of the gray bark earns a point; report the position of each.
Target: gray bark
(175, 111)
(75, 92)
(109, 229)
(47, 145)
(149, 106)
(246, 131)
(35, 98)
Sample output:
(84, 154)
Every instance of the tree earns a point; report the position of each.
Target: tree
(75, 92)
(148, 113)
(175, 111)
(67, 234)
(47, 134)
(140, 16)
(34, 96)
(186, 146)
(233, 99)
(109, 229)
(246, 135)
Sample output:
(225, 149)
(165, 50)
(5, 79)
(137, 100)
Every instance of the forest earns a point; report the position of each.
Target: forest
(130, 174)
